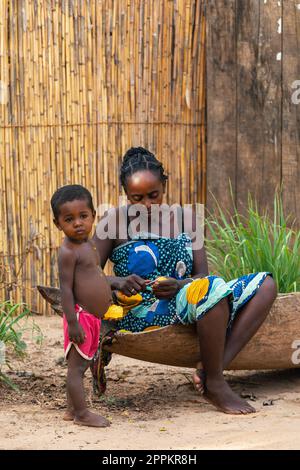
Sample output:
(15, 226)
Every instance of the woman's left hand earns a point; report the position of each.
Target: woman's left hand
(166, 289)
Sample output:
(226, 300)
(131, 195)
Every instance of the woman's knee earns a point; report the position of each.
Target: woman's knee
(269, 288)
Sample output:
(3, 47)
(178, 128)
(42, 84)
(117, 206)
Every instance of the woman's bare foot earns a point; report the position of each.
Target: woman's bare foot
(87, 418)
(224, 399)
(69, 415)
(199, 380)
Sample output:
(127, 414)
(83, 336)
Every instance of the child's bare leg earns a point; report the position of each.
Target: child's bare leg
(212, 332)
(69, 414)
(76, 369)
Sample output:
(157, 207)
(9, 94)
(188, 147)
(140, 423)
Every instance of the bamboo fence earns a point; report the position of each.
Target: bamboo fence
(80, 82)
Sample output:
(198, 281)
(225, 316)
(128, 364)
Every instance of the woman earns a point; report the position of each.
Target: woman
(226, 315)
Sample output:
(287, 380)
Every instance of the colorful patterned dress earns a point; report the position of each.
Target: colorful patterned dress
(150, 256)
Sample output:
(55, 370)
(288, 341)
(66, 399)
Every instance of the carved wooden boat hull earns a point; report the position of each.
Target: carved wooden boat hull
(273, 347)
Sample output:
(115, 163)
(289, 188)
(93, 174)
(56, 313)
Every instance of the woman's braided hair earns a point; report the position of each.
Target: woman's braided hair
(140, 159)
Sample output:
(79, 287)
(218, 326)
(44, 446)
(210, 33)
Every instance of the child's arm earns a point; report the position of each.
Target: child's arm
(66, 266)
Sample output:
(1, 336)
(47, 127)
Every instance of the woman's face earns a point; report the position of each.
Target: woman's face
(144, 187)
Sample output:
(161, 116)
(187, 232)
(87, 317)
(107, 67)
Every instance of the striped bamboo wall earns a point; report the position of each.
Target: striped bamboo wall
(80, 82)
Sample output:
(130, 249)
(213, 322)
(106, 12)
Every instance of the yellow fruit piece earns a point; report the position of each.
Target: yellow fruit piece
(127, 303)
(114, 312)
(125, 300)
(161, 278)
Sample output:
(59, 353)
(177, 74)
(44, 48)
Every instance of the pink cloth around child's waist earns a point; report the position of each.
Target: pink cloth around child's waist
(91, 326)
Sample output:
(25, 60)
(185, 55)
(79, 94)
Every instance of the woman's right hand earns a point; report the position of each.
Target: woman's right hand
(131, 285)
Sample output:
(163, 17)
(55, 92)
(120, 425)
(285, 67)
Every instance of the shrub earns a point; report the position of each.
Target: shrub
(12, 328)
(238, 244)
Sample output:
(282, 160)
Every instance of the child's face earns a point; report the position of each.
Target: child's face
(75, 220)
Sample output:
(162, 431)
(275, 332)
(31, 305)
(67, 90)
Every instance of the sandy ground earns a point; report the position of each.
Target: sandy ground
(150, 406)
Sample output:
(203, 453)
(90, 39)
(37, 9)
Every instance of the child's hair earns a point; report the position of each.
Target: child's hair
(139, 159)
(69, 193)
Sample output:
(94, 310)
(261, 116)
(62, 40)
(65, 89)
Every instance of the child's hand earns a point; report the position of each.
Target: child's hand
(76, 333)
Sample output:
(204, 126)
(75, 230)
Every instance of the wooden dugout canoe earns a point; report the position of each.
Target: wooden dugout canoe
(273, 347)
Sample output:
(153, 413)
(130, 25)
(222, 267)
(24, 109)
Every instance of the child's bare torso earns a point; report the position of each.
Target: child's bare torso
(90, 287)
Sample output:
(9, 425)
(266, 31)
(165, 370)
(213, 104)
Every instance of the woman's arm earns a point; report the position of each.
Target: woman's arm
(200, 265)
(195, 228)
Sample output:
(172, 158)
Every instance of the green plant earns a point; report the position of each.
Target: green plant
(13, 323)
(239, 244)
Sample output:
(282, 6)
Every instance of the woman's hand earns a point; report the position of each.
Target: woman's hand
(131, 285)
(166, 289)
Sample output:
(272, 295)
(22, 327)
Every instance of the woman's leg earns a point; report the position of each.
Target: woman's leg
(75, 392)
(212, 333)
(248, 321)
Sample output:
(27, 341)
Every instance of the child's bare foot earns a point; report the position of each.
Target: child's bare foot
(87, 418)
(69, 415)
(199, 380)
(224, 399)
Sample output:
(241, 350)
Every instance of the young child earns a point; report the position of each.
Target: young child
(85, 294)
